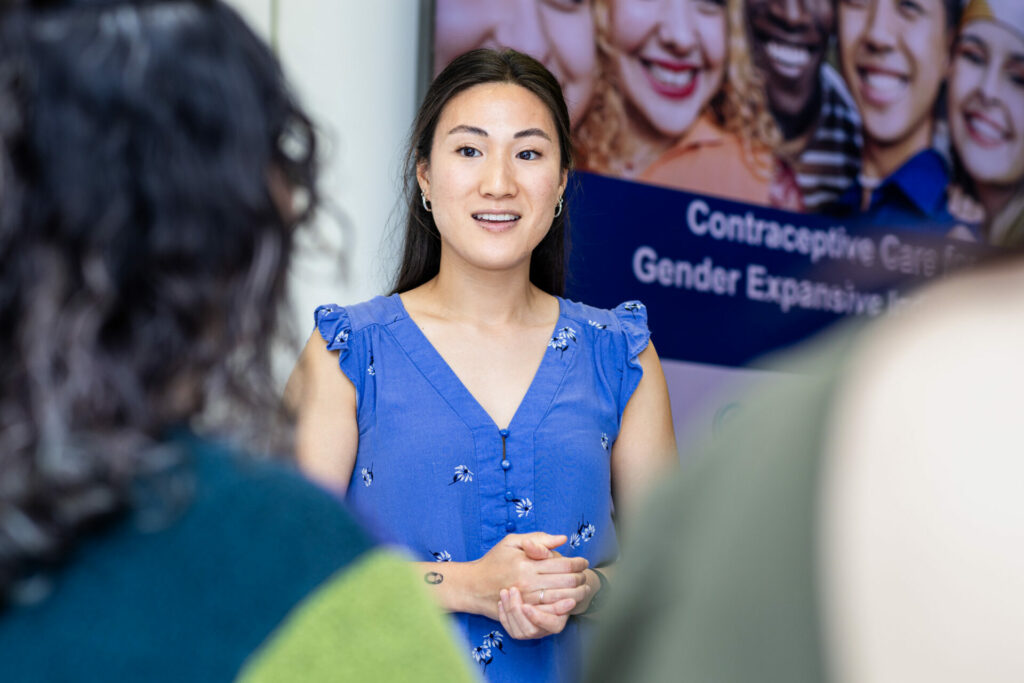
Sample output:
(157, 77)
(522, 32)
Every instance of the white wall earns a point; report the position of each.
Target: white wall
(353, 64)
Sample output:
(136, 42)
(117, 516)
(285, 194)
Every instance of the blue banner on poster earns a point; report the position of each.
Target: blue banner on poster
(731, 281)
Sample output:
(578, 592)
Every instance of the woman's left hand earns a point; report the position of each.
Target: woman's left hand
(524, 622)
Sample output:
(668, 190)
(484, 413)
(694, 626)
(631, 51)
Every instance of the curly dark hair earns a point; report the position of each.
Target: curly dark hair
(421, 245)
(153, 168)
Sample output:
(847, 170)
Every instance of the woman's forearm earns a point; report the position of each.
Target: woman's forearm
(454, 586)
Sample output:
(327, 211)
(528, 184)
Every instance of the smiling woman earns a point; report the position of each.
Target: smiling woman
(494, 417)
(986, 111)
(679, 103)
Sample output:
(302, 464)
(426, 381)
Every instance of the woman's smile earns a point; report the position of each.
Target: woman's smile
(675, 80)
(497, 221)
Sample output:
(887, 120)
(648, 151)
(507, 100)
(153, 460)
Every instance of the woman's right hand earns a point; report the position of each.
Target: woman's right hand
(528, 563)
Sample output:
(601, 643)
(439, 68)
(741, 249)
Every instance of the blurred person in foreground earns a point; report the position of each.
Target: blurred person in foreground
(153, 166)
(862, 525)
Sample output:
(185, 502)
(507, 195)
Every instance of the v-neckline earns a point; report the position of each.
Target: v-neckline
(546, 378)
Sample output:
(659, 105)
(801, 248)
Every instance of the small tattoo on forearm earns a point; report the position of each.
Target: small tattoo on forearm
(433, 578)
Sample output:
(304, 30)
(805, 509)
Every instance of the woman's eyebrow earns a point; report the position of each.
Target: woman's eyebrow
(532, 131)
(462, 128)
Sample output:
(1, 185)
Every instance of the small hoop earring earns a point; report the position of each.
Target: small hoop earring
(426, 204)
(558, 209)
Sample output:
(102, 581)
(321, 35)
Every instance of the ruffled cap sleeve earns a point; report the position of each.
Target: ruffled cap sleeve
(632, 317)
(333, 325)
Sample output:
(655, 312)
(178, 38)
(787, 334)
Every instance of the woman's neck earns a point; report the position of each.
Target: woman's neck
(481, 297)
(645, 144)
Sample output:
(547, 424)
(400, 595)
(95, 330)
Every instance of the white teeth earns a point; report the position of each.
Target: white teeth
(984, 128)
(884, 83)
(789, 55)
(496, 217)
(674, 79)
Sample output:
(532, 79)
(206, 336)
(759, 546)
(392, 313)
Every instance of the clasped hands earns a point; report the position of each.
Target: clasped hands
(532, 589)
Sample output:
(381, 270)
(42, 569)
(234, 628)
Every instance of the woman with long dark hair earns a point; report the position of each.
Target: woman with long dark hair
(152, 160)
(478, 418)
(986, 114)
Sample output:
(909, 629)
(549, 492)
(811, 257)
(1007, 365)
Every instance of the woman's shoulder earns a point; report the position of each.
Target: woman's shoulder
(380, 310)
(625, 317)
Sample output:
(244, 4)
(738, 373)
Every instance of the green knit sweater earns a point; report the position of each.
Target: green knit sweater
(260, 573)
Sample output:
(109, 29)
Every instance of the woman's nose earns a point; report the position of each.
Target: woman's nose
(677, 25)
(498, 178)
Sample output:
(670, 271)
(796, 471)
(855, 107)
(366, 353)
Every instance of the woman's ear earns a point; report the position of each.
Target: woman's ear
(423, 177)
(563, 182)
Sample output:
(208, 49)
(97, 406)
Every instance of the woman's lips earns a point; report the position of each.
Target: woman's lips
(671, 79)
(496, 221)
(983, 130)
(882, 87)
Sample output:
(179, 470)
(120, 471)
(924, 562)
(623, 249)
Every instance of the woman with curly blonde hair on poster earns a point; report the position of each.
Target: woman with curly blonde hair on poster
(680, 104)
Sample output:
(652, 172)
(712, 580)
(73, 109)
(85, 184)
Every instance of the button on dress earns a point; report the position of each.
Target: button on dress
(436, 475)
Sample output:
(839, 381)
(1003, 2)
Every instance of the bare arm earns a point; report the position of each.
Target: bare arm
(646, 446)
(324, 402)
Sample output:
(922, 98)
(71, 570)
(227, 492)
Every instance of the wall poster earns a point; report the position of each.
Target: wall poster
(754, 170)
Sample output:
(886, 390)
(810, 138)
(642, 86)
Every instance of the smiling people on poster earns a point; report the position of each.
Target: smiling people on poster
(478, 418)
(895, 57)
(820, 126)
(558, 33)
(676, 107)
(986, 113)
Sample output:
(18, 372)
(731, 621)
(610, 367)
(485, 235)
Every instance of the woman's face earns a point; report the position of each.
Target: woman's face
(494, 176)
(986, 102)
(670, 56)
(894, 55)
(557, 33)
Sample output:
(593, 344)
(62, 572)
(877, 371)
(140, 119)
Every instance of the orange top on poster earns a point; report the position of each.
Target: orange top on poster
(711, 160)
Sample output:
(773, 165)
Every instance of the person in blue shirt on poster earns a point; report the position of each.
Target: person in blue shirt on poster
(895, 57)
(493, 428)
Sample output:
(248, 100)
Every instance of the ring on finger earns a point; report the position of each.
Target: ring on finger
(541, 595)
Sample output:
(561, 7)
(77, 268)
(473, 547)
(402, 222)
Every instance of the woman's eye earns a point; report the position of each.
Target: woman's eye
(468, 152)
(567, 5)
(970, 48)
(911, 9)
(710, 6)
(972, 54)
(1017, 77)
(528, 155)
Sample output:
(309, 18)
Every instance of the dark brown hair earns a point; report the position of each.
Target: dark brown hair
(144, 252)
(421, 251)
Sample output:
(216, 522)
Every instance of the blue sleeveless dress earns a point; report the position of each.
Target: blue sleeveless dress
(435, 474)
